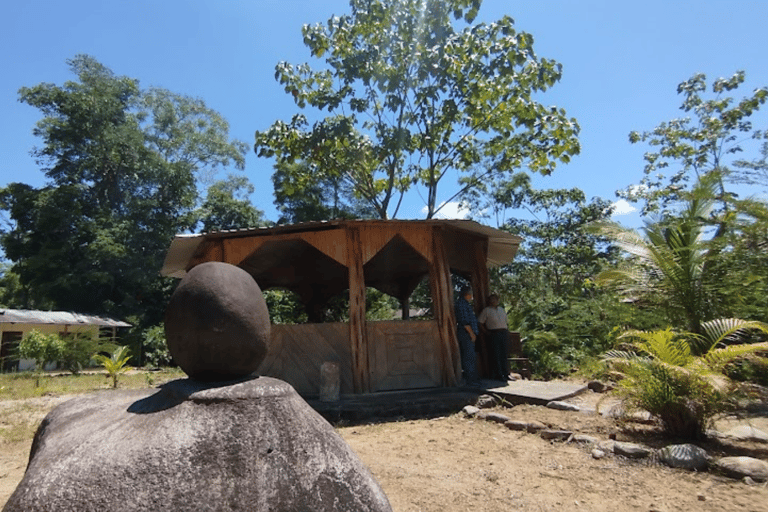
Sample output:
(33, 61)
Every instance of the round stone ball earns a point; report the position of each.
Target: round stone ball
(217, 323)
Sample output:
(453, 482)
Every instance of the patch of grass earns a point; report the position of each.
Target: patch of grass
(21, 385)
(18, 423)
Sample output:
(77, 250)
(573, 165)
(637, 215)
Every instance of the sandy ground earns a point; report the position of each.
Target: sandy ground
(458, 464)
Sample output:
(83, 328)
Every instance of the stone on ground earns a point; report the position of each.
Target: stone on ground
(740, 467)
(686, 456)
(747, 433)
(562, 406)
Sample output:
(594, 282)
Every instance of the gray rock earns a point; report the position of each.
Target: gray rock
(747, 433)
(555, 435)
(584, 439)
(740, 467)
(606, 445)
(189, 446)
(686, 456)
(217, 324)
(597, 453)
(562, 406)
(598, 386)
(485, 402)
(494, 417)
(631, 450)
(534, 426)
(516, 425)
(470, 410)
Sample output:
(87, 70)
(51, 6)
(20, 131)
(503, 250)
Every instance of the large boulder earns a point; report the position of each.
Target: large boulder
(191, 446)
(217, 324)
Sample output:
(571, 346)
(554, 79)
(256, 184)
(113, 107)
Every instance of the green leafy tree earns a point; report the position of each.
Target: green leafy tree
(41, 347)
(413, 96)
(227, 206)
(122, 165)
(324, 198)
(549, 288)
(715, 130)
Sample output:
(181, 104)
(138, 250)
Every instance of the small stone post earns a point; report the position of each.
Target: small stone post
(329, 382)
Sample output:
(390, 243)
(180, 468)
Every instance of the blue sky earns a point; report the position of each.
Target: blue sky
(622, 63)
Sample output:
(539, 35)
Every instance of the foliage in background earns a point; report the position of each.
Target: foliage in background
(677, 376)
(116, 364)
(156, 353)
(410, 96)
(691, 147)
(226, 206)
(122, 165)
(676, 266)
(548, 289)
(42, 348)
(324, 198)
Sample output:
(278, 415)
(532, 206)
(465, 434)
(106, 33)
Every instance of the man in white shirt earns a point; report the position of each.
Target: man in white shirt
(494, 318)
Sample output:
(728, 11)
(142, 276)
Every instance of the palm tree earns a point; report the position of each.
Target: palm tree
(669, 263)
(116, 364)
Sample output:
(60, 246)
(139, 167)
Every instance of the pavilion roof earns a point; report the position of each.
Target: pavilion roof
(502, 246)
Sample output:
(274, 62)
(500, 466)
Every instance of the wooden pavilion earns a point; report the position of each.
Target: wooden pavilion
(320, 260)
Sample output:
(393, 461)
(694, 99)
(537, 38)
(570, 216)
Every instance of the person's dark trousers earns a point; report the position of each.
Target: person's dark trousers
(468, 360)
(499, 361)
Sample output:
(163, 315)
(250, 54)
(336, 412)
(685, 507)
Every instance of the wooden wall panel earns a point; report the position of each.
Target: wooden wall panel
(296, 353)
(331, 243)
(404, 355)
(236, 250)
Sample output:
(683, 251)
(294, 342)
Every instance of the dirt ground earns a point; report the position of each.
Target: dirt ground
(457, 464)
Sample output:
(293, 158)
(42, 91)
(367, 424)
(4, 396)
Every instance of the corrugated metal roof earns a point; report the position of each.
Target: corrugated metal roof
(27, 316)
(502, 246)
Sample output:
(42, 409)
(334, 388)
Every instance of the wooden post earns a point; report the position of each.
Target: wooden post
(442, 307)
(480, 290)
(358, 338)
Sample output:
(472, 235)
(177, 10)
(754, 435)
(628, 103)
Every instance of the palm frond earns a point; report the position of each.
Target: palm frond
(733, 330)
(716, 359)
(667, 346)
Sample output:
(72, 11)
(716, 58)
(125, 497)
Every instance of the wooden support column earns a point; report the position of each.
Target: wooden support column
(480, 290)
(442, 307)
(358, 337)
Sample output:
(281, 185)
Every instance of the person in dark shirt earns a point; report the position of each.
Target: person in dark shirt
(466, 332)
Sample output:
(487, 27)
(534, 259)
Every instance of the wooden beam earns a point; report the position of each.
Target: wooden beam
(358, 336)
(480, 290)
(442, 307)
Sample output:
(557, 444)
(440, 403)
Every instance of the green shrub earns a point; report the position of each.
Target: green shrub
(156, 351)
(685, 391)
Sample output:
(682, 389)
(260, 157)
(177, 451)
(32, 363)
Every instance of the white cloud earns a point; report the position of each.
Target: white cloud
(622, 207)
(450, 210)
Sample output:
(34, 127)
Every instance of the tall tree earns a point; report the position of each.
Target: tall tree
(326, 197)
(121, 165)
(227, 206)
(412, 97)
(690, 147)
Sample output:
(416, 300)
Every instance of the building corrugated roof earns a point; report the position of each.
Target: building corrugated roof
(27, 316)
(502, 246)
